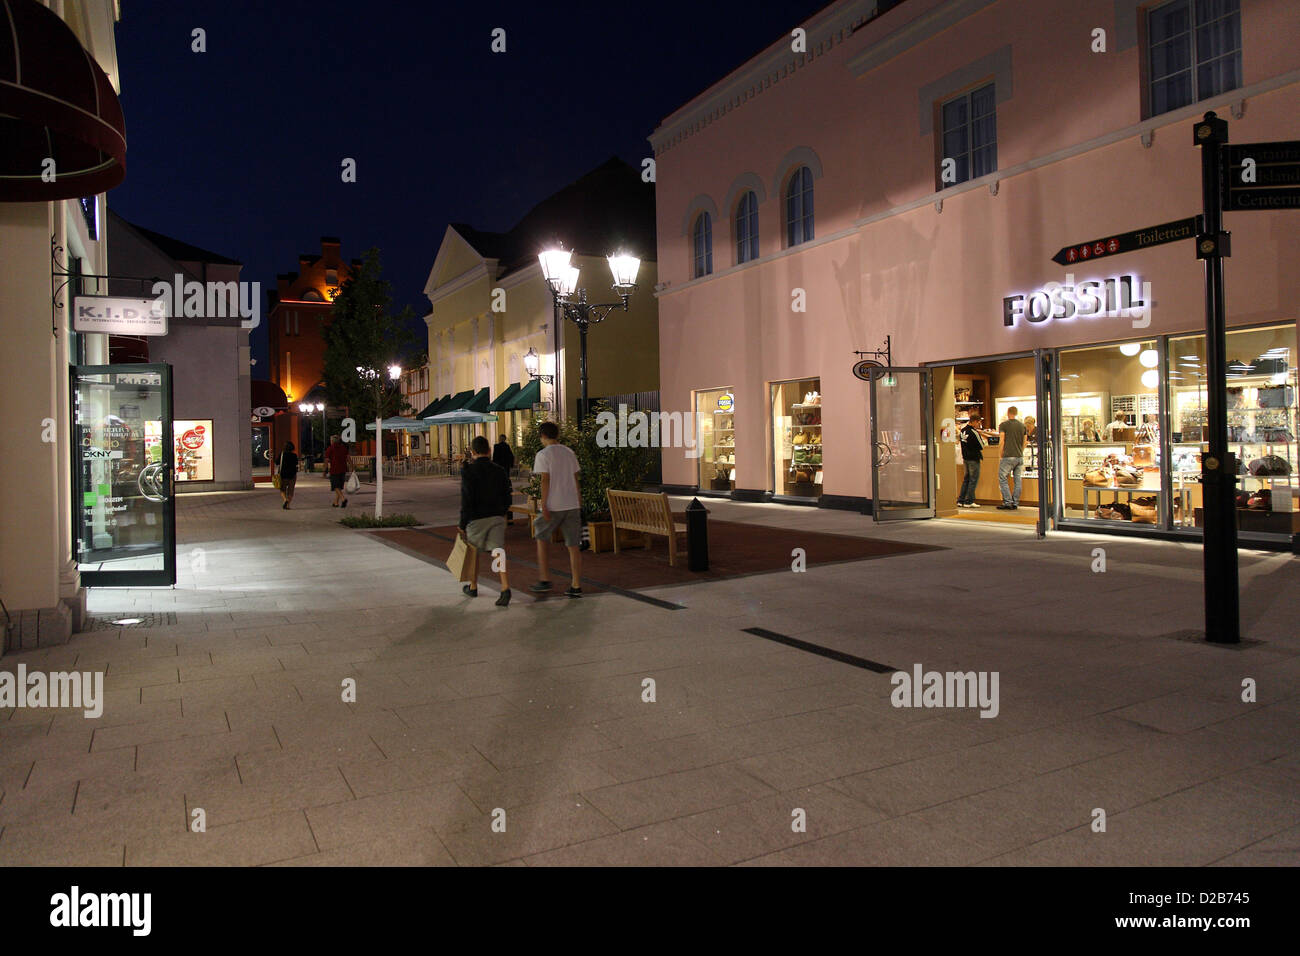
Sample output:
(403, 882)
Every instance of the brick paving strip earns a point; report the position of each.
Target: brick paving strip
(464, 712)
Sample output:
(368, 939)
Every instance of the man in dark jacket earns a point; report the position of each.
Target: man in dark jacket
(503, 456)
(972, 437)
(484, 503)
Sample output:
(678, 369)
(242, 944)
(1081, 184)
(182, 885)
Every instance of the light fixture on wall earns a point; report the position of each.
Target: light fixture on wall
(1130, 348)
(1150, 358)
(1150, 378)
(531, 361)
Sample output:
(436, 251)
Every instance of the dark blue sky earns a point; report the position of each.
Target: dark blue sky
(238, 149)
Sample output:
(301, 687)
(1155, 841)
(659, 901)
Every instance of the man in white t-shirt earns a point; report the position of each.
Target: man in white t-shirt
(561, 507)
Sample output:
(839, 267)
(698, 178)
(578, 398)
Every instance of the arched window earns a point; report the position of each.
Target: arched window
(799, 207)
(703, 234)
(747, 228)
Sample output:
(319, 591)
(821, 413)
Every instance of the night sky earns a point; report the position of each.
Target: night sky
(239, 149)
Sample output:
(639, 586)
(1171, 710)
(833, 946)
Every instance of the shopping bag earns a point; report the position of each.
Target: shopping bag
(275, 481)
(458, 561)
(353, 484)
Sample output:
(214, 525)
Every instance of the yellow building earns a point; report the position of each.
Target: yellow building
(490, 306)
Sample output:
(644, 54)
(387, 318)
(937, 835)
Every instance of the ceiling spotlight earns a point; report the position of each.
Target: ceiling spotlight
(1150, 358)
(1130, 348)
(1150, 378)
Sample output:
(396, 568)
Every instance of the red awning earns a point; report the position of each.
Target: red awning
(268, 395)
(55, 103)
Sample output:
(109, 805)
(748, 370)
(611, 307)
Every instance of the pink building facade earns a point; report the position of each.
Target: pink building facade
(910, 174)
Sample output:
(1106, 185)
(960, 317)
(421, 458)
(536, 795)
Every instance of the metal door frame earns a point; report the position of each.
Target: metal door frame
(1046, 394)
(927, 426)
(166, 575)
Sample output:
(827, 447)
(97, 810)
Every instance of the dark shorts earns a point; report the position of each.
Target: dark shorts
(336, 482)
(286, 484)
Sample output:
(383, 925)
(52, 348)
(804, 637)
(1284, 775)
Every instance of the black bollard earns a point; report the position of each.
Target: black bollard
(697, 536)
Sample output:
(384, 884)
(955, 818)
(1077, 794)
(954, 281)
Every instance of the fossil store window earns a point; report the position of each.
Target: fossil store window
(1110, 434)
(797, 438)
(1261, 376)
(715, 419)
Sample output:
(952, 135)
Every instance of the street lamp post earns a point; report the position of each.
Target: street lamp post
(394, 373)
(562, 278)
(307, 408)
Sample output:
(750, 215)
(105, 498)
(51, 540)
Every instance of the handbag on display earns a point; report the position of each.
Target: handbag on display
(1270, 465)
(1097, 478)
(1261, 500)
(1143, 514)
(1144, 455)
(1127, 476)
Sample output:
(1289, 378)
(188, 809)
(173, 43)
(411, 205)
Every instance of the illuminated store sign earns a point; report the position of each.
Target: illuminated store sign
(1094, 299)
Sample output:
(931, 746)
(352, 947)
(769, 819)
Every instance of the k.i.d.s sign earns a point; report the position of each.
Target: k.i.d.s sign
(1094, 298)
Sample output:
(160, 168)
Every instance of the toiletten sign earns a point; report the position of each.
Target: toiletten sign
(115, 315)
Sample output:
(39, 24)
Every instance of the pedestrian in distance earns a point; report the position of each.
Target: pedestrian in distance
(1012, 463)
(485, 494)
(288, 472)
(561, 507)
(503, 456)
(336, 465)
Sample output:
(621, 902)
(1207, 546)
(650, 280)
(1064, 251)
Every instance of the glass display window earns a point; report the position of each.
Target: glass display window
(1111, 436)
(796, 419)
(1261, 396)
(715, 416)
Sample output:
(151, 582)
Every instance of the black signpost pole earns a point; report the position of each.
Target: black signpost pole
(1218, 468)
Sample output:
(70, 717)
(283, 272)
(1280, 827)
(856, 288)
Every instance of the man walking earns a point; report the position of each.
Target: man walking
(504, 457)
(336, 464)
(561, 507)
(484, 501)
(1012, 463)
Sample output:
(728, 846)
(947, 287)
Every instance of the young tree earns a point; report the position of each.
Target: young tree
(363, 340)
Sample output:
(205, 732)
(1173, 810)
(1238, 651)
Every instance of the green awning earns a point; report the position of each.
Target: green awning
(433, 407)
(457, 401)
(499, 403)
(527, 397)
(480, 401)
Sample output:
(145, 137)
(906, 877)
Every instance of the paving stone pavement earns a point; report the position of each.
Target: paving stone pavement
(753, 752)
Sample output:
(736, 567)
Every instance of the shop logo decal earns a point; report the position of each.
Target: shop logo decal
(946, 689)
(1093, 299)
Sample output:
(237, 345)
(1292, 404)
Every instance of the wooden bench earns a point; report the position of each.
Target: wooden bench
(531, 512)
(647, 513)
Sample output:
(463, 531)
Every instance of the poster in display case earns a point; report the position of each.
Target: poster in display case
(193, 455)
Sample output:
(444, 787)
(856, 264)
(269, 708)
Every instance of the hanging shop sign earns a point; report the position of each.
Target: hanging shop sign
(193, 451)
(726, 402)
(1094, 298)
(1123, 242)
(116, 315)
(1261, 176)
(863, 368)
(263, 411)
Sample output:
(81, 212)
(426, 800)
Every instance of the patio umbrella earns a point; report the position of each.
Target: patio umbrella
(460, 417)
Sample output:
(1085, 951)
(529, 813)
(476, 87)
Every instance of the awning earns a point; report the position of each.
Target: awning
(499, 403)
(433, 407)
(267, 395)
(526, 398)
(459, 400)
(55, 103)
(399, 424)
(461, 416)
(479, 403)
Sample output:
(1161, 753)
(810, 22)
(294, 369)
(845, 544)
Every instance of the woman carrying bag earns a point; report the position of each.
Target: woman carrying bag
(287, 472)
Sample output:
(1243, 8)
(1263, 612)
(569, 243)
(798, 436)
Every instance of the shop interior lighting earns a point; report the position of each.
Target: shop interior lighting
(1150, 358)
(1150, 378)
(1130, 348)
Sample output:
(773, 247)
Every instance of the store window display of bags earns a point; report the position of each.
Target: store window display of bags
(796, 420)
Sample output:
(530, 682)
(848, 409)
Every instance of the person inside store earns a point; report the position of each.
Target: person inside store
(1119, 422)
(973, 437)
(1012, 463)
(1031, 429)
(1088, 431)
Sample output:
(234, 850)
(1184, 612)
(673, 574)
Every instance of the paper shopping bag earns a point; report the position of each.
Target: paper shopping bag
(458, 562)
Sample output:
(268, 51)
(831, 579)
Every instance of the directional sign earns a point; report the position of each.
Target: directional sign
(1129, 241)
(1261, 176)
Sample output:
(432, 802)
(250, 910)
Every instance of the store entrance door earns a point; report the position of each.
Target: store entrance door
(902, 461)
(1045, 429)
(125, 520)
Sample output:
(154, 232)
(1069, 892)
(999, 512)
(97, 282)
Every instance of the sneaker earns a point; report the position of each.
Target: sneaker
(972, 505)
(961, 504)
(504, 599)
(541, 587)
(469, 591)
(574, 592)
(1005, 507)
